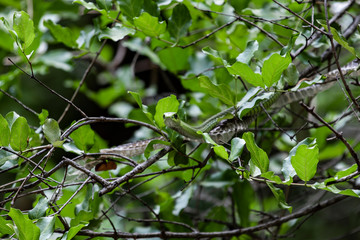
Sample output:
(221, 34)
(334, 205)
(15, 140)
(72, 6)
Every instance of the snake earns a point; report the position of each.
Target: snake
(222, 126)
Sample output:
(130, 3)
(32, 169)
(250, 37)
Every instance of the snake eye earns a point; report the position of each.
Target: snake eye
(171, 115)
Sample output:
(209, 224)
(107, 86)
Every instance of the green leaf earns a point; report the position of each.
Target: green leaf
(175, 59)
(280, 197)
(6, 156)
(4, 132)
(335, 190)
(243, 197)
(246, 73)
(221, 152)
(116, 33)
(237, 146)
(47, 226)
(343, 173)
(179, 22)
(105, 4)
(221, 91)
(39, 210)
(258, 156)
(84, 138)
(43, 116)
(273, 68)
(72, 232)
(63, 34)
(288, 169)
(248, 53)
(26, 229)
(24, 28)
(51, 130)
(150, 25)
(4, 226)
(212, 52)
(143, 108)
(246, 106)
(305, 161)
(151, 7)
(11, 117)
(90, 6)
(340, 39)
(167, 104)
(131, 8)
(19, 134)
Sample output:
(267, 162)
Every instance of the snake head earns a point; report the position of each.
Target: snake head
(171, 119)
(172, 115)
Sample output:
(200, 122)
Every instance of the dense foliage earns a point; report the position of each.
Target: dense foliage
(80, 76)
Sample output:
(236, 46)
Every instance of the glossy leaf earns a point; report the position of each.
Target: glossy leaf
(84, 138)
(131, 8)
(90, 6)
(4, 226)
(51, 130)
(24, 28)
(167, 104)
(6, 156)
(72, 232)
(39, 210)
(150, 25)
(258, 156)
(248, 53)
(47, 226)
(143, 107)
(335, 190)
(340, 39)
(4, 132)
(246, 73)
(273, 68)
(43, 116)
(221, 91)
(19, 134)
(175, 59)
(179, 22)
(27, 230)
(62, 34)
(237, 146)
(11, 118)
(116, 33)
(305, 160)
(221, 152)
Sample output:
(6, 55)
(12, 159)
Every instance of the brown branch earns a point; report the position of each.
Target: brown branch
(138, 169)
(236, 232)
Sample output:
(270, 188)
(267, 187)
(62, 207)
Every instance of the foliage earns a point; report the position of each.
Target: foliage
(67, 64)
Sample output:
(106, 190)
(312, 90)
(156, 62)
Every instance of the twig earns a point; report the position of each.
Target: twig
(138, 169)
(32, 76)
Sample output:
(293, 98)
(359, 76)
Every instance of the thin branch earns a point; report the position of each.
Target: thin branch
(138, 169)
(32, 76)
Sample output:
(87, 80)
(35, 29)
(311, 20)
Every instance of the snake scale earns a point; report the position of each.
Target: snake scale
(222, 131)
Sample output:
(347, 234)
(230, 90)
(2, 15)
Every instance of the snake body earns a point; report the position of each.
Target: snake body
(221, 129)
